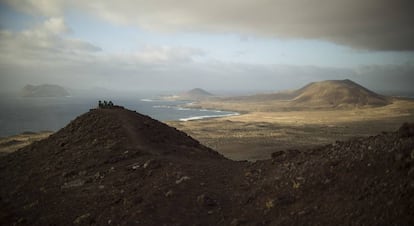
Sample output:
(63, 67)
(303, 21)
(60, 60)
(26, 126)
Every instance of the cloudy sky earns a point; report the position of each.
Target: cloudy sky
(215, 44)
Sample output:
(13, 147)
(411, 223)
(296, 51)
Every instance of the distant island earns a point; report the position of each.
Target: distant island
(194, 94)
(44, 90)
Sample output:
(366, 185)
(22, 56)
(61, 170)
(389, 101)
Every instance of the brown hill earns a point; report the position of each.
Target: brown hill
(338, 93)
(115, 166)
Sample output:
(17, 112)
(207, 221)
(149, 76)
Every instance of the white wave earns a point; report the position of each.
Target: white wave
(163, 106)
(184, 109)
(207, 116)
(147, 100)
(172, 107)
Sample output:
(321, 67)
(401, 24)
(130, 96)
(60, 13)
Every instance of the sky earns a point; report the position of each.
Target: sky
(216, 45)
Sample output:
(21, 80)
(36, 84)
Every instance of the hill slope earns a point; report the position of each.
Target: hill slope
(197, 92)
(45, 90)
(264, 97)
(115, 166)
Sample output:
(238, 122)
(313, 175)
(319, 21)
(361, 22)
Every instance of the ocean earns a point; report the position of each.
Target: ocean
(18, 115)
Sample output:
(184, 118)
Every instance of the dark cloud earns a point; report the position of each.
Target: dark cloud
(363, 24)
(368, 24)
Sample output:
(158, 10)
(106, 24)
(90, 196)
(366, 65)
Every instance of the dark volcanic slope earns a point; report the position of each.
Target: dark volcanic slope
(114, 166)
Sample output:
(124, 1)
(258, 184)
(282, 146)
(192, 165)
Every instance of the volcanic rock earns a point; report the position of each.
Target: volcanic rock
(115, 166)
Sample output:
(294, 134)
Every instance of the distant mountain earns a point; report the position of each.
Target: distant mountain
(45, 90)
(197, 93)
(194, 94)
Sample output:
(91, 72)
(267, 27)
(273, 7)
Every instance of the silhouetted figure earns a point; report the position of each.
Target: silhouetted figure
(105, 104)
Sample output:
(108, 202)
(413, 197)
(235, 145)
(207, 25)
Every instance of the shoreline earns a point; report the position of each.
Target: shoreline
(192, 106)
(194, 118)
(12, 143)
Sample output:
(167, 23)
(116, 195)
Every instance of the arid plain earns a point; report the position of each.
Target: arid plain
(255, 135)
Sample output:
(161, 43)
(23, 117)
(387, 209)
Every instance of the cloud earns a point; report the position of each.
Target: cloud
(370, 24)
(160, 54)
(45, 53)
(42, 44)
(50, 41)
(55, 25)
(39, 7)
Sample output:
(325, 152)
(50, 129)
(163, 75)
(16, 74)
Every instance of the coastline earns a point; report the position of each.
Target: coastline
(38, 114)
(194, 106)
(208, 117)
(12, 143)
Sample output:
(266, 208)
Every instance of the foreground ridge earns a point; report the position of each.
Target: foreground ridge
(115, 166)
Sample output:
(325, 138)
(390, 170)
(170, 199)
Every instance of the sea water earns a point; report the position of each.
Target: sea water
(18, 115)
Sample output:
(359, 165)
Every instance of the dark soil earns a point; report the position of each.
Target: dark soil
(117, 167)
